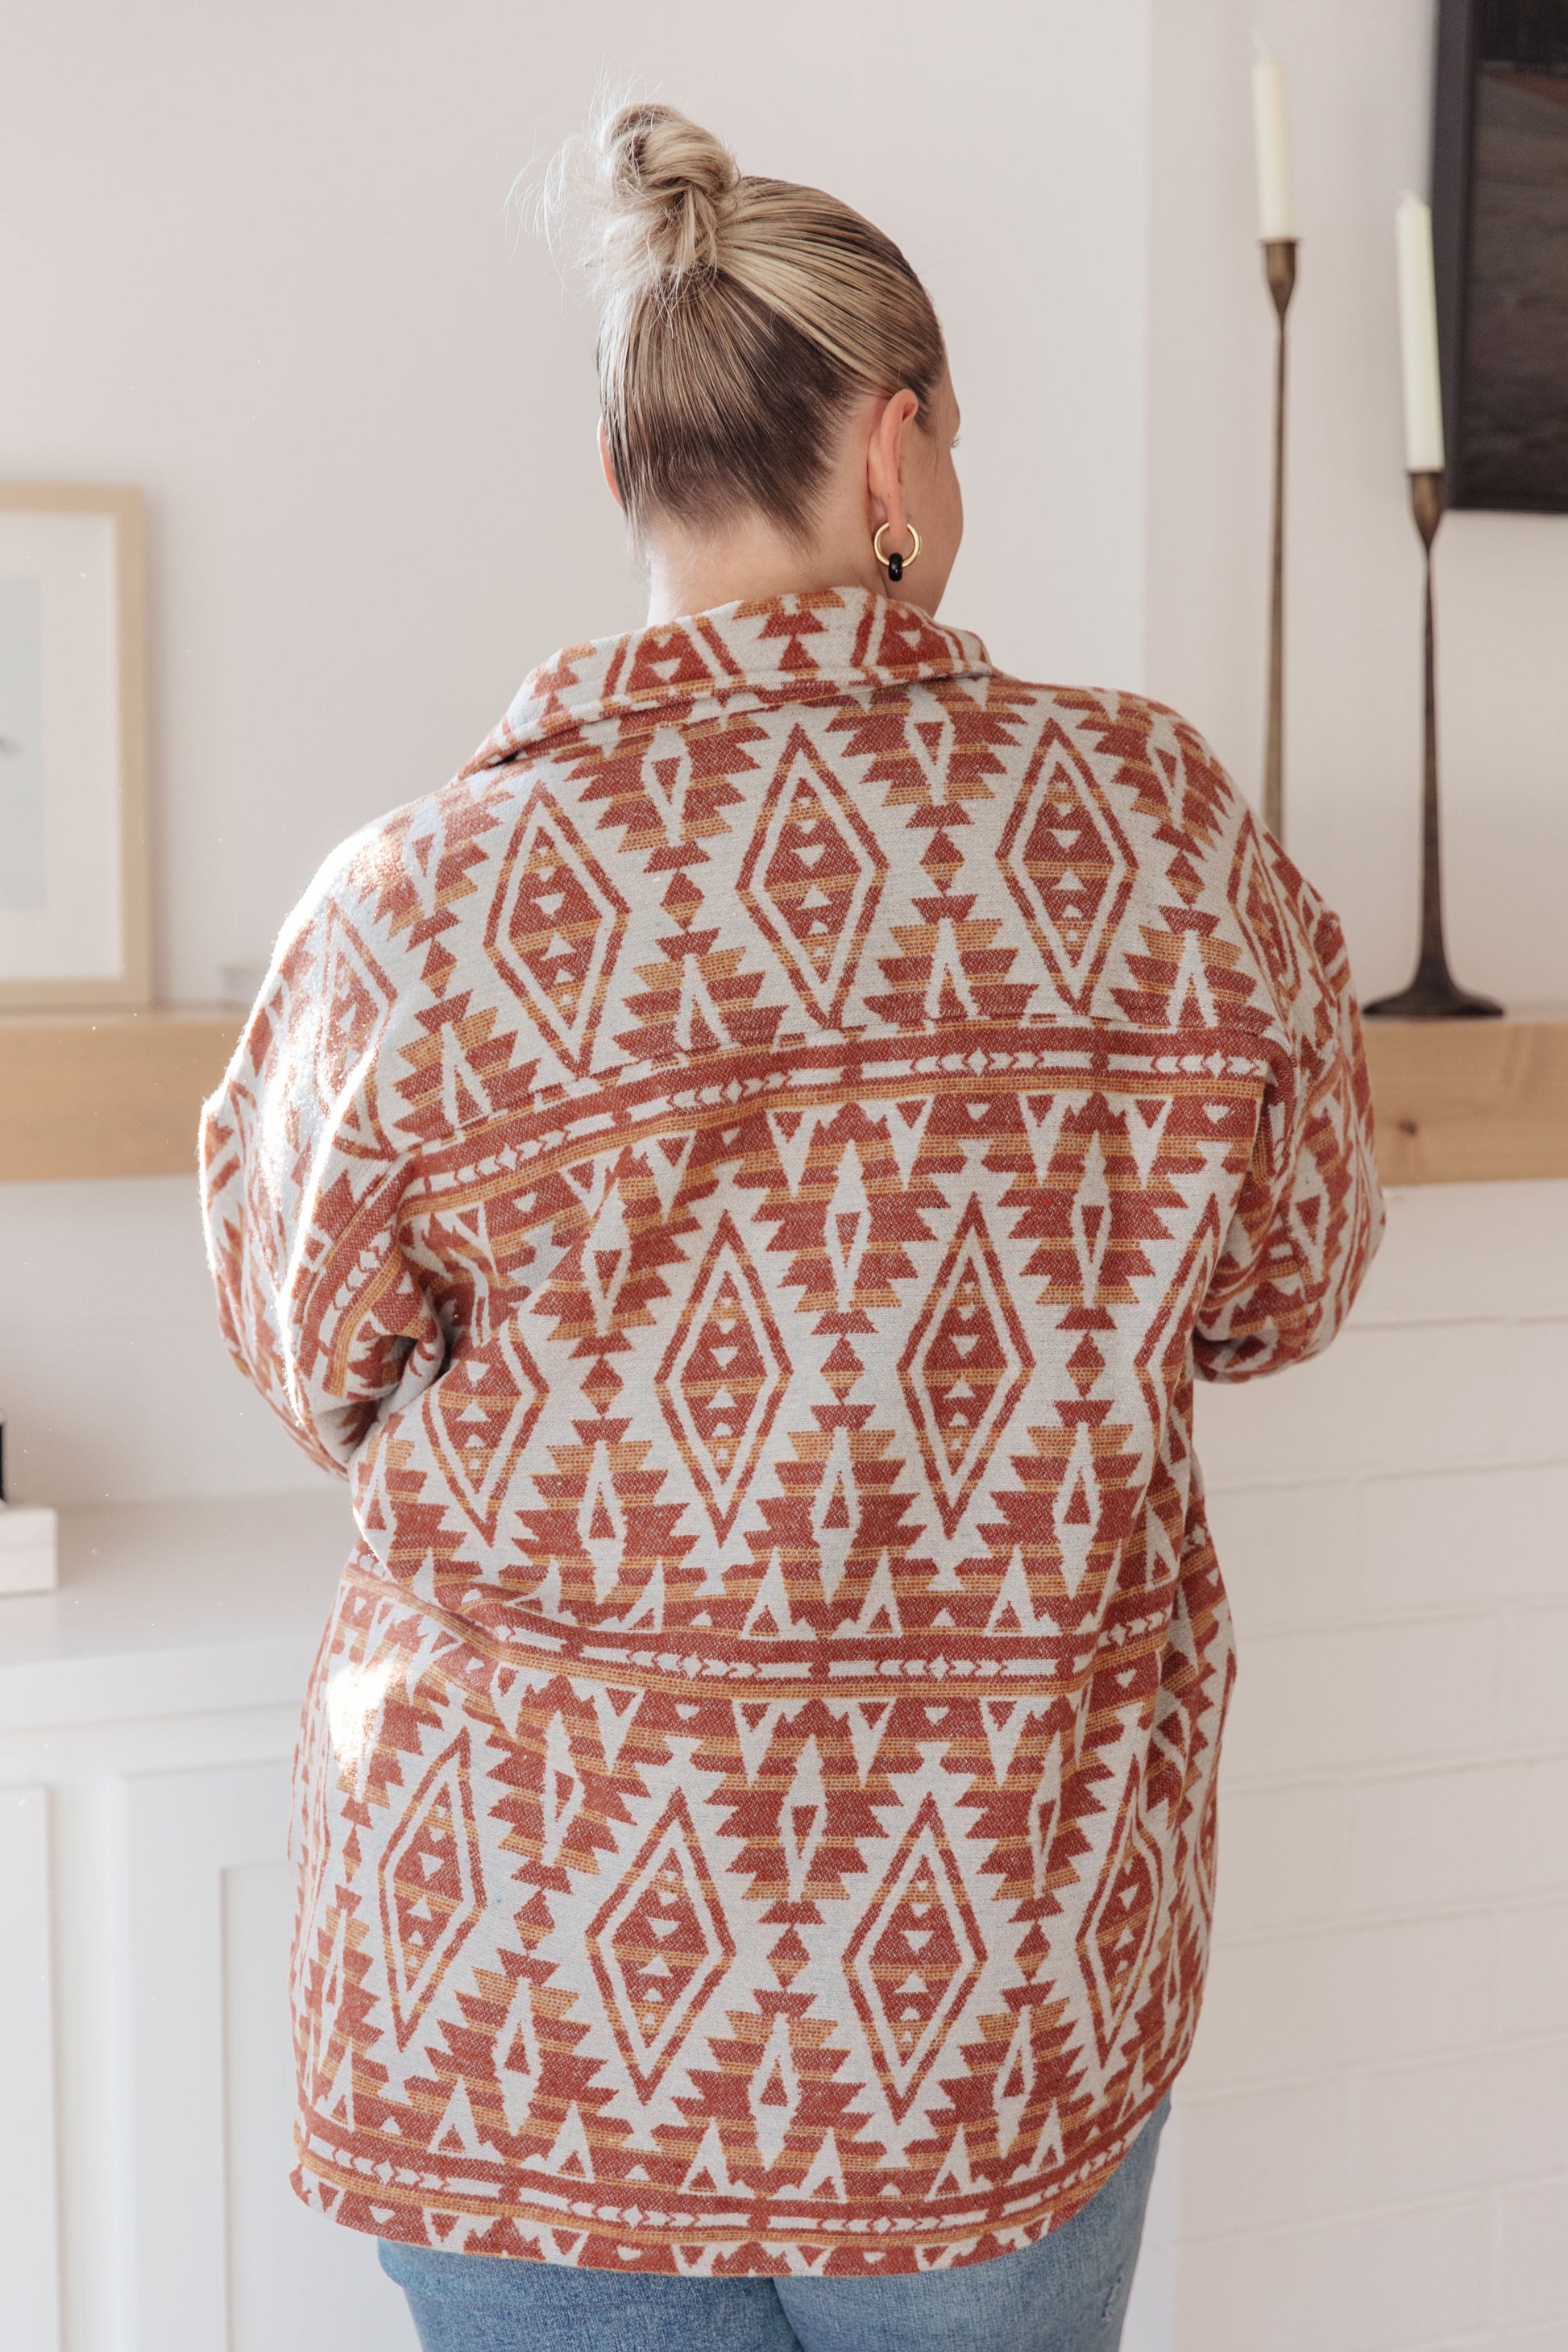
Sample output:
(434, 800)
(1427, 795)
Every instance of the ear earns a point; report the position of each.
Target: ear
(885, 457)
(614, 487)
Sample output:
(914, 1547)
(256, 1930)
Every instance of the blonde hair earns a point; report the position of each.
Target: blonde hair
(740, 317)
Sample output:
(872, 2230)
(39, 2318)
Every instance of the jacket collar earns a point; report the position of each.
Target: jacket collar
(771, 649)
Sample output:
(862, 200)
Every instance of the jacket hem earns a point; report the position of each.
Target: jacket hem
(578, 2226)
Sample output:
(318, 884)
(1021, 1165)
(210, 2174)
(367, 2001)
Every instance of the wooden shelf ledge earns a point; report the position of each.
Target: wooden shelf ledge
(1470, 1102)
(108, 1094)
(117, 1094)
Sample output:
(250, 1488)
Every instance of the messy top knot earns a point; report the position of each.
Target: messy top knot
(668, 187)
(740, 318)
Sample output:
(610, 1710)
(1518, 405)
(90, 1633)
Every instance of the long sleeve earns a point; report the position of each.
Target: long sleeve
(300, 1194)
(1309, 1214)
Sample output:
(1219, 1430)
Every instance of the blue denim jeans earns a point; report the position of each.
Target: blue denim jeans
(1067, 2294)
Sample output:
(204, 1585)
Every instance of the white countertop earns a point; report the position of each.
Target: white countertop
(175, 1608)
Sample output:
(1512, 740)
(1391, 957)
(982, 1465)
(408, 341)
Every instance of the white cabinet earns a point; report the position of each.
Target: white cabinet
(147, 1716)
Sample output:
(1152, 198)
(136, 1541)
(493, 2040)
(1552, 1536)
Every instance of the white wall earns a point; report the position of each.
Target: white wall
(114, 1383)
(1359, 78)
(1375, 2121)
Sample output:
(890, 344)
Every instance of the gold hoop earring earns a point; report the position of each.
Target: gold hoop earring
(894, 565)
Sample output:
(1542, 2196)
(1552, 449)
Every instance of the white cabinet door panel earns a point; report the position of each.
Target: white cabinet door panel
(295, 2279)
(29, 2218)
(221, 2254)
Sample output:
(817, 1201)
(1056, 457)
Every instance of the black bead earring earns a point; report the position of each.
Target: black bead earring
(893, 565)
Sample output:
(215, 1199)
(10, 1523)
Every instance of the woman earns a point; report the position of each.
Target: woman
(741, 1180)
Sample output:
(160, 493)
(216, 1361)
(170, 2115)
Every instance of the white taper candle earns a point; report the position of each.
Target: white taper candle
(1276, 213)
(1418, 337)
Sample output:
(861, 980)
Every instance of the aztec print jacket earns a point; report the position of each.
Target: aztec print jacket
(743, 1179)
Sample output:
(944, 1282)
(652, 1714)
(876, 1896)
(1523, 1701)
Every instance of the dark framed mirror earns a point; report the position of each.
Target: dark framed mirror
(1499, 206)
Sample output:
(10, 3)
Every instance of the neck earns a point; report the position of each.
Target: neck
(687, 573)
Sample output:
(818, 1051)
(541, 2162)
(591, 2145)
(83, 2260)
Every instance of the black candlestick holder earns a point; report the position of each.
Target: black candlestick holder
(1434, 994)
(1280, 270)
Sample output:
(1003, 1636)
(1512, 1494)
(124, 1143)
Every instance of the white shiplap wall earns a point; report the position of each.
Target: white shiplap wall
(1375, 2120)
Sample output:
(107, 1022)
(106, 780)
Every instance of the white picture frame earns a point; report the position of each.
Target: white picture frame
(73, 798)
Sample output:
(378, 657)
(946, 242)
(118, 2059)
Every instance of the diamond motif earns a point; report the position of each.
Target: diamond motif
(1121, 1921)
(555, 927)
(660, 1946)
(914, 1959)
(432, 1886)
(1067, 864)
(812, 879)
(481, 1416)
(967, 1365)
(723, 1376)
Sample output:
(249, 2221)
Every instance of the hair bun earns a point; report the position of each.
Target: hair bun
(739, 317)
(667, 188)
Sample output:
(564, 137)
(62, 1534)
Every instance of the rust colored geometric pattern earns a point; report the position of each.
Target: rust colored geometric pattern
(660, 1946)
(744, 1181)
(723, 1376)
(914, 1958)
(555, 927)
(478, 1423)
(1067, 864)
(432, 1886)
(967, 1365)
(812, 878)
